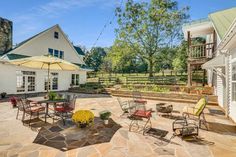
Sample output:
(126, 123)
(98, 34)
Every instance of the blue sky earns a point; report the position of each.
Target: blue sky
(82, 20)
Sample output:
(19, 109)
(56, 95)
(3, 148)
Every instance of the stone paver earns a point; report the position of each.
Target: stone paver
(17, 139)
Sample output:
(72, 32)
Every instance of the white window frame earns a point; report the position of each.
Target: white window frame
(233, 84)
(51, 77)
(76, 80)
(25, 75)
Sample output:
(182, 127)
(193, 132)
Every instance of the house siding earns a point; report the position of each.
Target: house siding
(39, 46)
(8, 78)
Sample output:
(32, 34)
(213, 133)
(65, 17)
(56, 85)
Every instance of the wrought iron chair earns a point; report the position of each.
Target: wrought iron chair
(197, 112)
(65, 110)
(141, 114)
(137, 97)
(30, 109)
(126, 106)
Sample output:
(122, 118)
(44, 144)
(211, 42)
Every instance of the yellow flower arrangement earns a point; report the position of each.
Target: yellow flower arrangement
(83, 117)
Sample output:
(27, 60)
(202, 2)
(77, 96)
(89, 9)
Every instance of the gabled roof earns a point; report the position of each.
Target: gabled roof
(79, 50)
(222, 20)
(41, 33)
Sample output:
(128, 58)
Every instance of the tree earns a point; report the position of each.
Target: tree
(180, 61)
(123, 58)
(95, 57)
(148, 27)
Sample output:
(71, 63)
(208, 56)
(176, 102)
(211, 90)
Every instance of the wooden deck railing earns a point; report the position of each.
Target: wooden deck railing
(201, 51)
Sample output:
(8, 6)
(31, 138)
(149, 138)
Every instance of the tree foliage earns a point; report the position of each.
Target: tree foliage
(95, 57)
(150, 27)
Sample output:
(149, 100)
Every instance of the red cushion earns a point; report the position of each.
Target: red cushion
(63, 109)
(143, 114)
(140, 101)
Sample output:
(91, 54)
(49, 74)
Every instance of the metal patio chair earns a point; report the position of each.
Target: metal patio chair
(197, 112)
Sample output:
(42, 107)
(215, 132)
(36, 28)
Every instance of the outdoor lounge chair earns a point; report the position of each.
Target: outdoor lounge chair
(196, 112)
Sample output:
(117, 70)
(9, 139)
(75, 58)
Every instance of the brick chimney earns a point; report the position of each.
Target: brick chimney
(5, 35)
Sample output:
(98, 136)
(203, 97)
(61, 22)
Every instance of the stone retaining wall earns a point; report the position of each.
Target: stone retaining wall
(177, 97)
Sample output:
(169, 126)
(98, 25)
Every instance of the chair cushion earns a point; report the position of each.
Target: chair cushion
(140, 101)
(142, 113)
(35, 109)
(199, 106)
(63, 109)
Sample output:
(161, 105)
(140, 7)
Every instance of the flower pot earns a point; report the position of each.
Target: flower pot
(106, 121)
(82, 125)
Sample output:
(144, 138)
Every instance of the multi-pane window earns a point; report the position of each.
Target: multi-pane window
(52, 82)
(234, 82)
(20, 83)
(25, 81)
(56, 53)
(56, 35)
(75, 79)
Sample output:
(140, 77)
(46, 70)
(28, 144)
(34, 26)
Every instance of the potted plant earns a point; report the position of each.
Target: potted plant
(105, 115)
(83, 118)
(13, 101)
(52, 95)
(3, 95)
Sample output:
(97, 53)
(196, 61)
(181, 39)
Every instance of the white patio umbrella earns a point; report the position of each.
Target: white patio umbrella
(45, 62)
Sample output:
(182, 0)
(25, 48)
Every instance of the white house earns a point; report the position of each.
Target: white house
(219, 30)
(53, 41)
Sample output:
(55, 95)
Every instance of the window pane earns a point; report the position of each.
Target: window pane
(233, 72)
(20, 83)
(50, 51)
(56, 35)
(46, 83)
(62, 54)
(77, 79)
(31, 83)
(54, 83)
(56, 53)
(234, 91)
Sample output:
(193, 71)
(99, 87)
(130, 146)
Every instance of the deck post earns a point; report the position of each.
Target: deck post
(204, 77)
(189, 75)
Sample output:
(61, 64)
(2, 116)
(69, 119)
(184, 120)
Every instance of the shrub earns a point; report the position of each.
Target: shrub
(3, 94)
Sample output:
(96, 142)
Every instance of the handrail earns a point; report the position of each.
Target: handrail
(202, 51)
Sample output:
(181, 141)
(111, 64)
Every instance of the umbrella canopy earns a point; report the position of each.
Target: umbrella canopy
(45, 62)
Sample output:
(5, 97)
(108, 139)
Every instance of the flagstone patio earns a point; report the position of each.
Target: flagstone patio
(17, 140)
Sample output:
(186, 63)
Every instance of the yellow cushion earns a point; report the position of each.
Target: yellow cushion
(200, 105)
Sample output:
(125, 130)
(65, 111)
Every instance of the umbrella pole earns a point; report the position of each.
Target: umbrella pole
(48, 78)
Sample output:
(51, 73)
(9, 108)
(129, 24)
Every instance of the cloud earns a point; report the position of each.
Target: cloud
(30, 21)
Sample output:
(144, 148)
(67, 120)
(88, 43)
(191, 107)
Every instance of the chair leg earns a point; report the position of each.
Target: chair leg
(30, 118)
(17, 113)
(146, 128)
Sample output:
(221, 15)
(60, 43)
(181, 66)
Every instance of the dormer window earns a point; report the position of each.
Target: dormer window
(56, 35)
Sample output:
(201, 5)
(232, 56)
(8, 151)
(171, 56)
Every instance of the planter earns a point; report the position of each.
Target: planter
(82, 125)
(106, 121)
